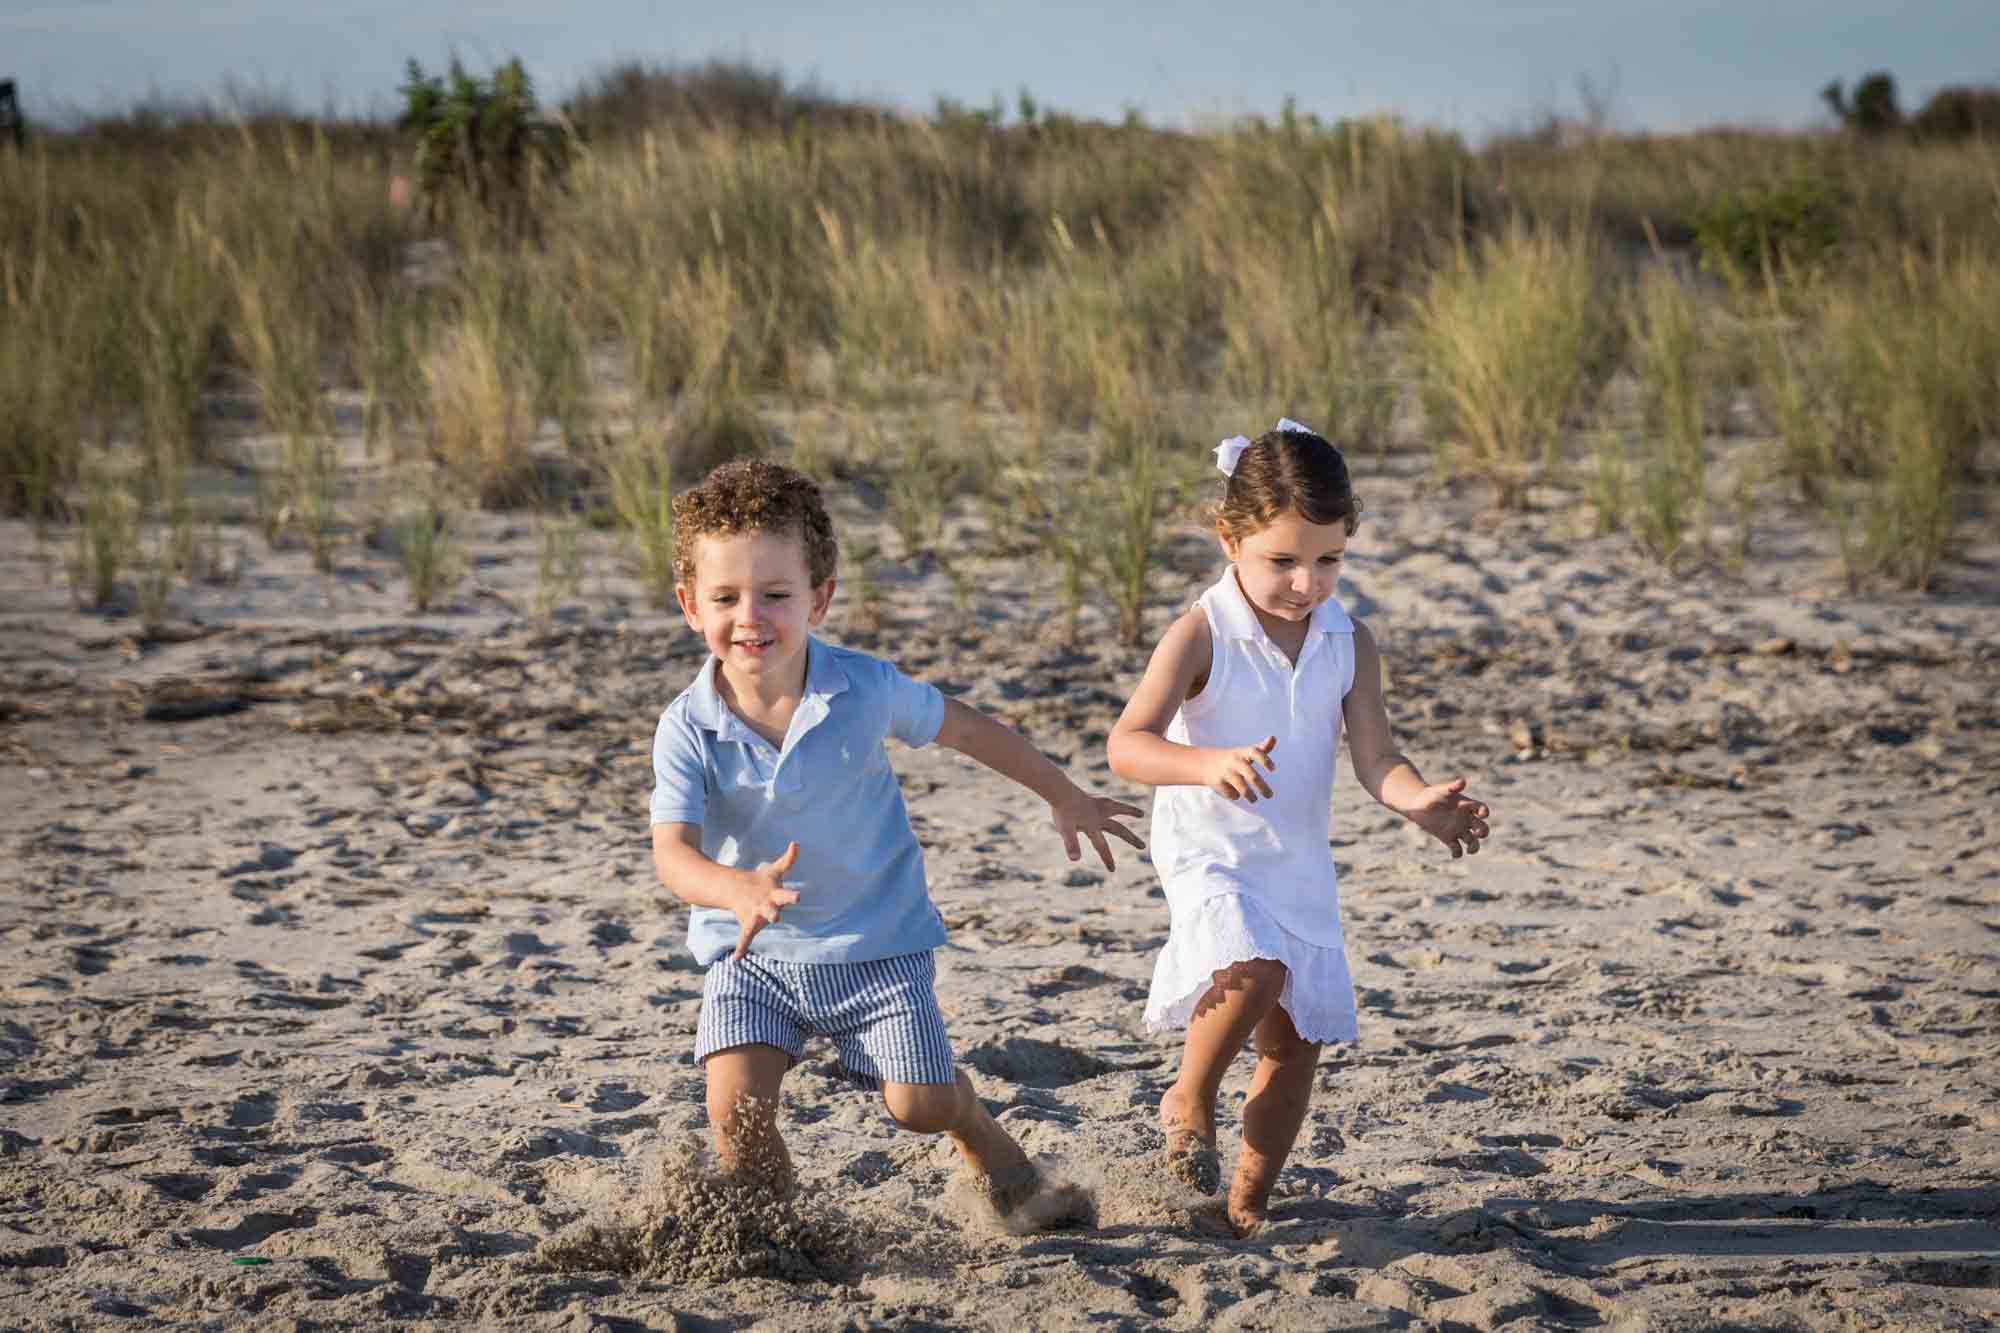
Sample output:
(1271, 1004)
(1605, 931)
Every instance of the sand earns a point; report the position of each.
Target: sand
(327, 940)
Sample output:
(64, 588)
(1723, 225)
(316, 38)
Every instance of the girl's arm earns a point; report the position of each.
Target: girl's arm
(1008, 753)
(1139, 749)
(754, 897)
(1386, 774)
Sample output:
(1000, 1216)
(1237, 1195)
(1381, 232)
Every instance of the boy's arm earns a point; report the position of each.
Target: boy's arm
(754, 897)
(1386, 774)
(1008, 753)
(1138, 747)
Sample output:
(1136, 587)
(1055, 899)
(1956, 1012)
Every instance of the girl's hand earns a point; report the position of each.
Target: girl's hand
(765, 897)
(1094, 816)
(1456, 820)
(1233, 773)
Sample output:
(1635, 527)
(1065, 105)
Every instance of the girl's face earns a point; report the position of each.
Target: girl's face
(1289, 566)
(753, 603)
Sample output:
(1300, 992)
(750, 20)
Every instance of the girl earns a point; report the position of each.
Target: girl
(1265, 667)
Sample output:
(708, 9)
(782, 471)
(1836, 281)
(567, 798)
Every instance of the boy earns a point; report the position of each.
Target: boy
(777, 818)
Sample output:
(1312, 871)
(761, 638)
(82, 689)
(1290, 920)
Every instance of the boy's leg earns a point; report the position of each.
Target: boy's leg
(1280, 1092)
(892, 1033)
(1013, 1185)
(1242, 996)
(743, 1096)
(954, 1108)
(747, 1035)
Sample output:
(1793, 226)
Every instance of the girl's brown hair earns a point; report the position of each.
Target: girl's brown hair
(1281, 470)
(753, 495)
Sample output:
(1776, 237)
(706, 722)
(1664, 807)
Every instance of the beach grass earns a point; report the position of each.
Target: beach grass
(1076, 276)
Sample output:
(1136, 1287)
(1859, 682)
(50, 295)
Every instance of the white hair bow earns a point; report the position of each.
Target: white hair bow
(1232, 448)
(1229, 451)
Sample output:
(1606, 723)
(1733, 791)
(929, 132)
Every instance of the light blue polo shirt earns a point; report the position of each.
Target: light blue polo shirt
(860, 872)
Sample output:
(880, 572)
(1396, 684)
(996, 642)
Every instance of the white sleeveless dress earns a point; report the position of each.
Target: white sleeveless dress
(1250, 881)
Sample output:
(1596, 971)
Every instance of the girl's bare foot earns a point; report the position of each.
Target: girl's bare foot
(1227, 1221)
(1191, 1157)
(1194, 1163)
(1246, 1220)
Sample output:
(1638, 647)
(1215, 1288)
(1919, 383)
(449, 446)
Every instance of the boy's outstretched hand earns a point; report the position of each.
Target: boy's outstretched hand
(766, 898)
(1454, 819)
(1094, 816)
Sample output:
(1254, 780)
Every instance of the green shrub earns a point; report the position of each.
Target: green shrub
(1957, 113)
(481, 140)
(428, 546)
(1778, 227)
(1874, 110)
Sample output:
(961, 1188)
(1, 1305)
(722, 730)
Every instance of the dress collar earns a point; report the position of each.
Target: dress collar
(1235, 618)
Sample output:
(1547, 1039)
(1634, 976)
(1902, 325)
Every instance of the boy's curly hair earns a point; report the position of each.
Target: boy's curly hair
(1281, 470)
(754, 495)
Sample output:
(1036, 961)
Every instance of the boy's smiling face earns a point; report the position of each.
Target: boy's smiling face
(753, 602)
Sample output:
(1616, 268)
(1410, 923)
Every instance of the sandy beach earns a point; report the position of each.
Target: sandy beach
(328, 941)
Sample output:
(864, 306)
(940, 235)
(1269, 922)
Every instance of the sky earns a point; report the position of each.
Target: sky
(1478, 66)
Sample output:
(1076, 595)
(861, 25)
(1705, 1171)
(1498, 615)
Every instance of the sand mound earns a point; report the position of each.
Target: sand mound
(694, 1224)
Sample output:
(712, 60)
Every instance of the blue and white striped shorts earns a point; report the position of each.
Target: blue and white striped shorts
(882, 1015)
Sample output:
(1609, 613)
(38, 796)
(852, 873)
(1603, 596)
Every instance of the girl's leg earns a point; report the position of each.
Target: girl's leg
(743, 1085)
(1238, 1001)
(1280, 1091)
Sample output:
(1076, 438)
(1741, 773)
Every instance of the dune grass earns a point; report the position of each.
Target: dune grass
(1515, 340)
(1663, 498)
(1105, 284)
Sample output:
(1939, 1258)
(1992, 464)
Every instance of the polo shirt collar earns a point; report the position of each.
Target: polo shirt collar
(824, 679)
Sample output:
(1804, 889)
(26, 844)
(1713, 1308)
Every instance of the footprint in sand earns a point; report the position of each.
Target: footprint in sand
(1036, 1064)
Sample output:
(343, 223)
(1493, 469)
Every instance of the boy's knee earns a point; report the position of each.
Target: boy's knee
(924, 1108)
(743, 1088)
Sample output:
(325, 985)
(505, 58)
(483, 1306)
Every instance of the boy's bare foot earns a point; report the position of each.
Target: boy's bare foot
(1023, 1199)
(763, 1184)
(1191, 1157)
(761, 1172)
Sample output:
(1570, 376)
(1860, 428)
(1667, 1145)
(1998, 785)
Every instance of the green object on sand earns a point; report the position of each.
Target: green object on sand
(250, 1260)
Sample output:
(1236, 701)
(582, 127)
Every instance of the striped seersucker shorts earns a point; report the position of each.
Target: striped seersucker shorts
(882, 1016)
